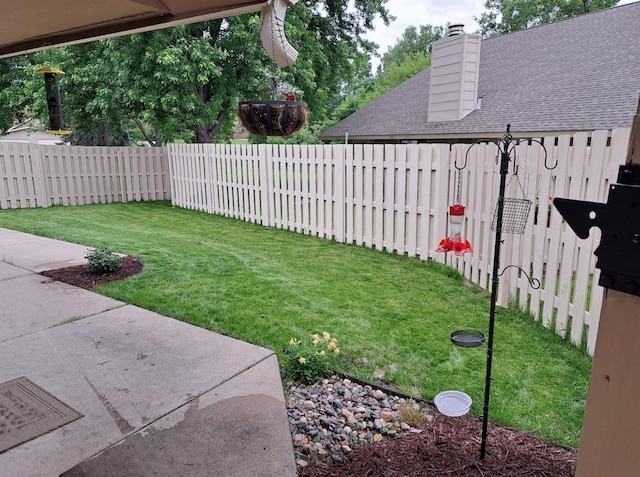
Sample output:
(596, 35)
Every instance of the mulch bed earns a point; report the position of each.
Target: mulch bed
(81, 277)
(451, 446)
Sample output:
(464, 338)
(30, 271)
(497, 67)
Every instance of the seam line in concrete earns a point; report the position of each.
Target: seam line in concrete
(71, 319)
(28, 273)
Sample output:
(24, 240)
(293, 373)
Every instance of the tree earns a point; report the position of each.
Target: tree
(506, 16)
(91, 95)
(22, 91)
(184, 82)
(406, 58)
(12, 97)
(412, 42)
(180, 82)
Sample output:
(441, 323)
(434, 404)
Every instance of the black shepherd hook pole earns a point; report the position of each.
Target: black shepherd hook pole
(504, 151)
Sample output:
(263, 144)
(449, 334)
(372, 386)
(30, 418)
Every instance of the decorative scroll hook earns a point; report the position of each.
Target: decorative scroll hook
(534, 282)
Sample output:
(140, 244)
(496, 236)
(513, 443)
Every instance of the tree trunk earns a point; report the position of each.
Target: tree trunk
(157, 142)
(204, 133)
(201, 135)
(104, 139)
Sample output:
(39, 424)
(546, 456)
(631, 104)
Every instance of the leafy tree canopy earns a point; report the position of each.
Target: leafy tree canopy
(183, 83)
(407, 57)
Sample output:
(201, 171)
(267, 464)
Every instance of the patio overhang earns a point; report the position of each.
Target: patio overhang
(32, 25)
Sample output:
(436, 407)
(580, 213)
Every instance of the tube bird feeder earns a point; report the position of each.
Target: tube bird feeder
(54, 103)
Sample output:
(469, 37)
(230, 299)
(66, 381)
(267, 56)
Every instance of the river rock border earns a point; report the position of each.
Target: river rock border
(329, 419)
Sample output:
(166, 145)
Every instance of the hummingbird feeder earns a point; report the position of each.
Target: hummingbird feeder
(454, 243)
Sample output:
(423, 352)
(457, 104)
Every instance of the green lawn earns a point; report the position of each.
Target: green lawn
(389, 313)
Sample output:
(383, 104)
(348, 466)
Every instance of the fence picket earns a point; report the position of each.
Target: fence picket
(412, 200)
(399, 207)
(319, 202)
(313, 191)
(424, 212)
(327, 165)
(377, 154)
(389, 197)
(368, 199)
(350, 153)
(358, 193)
(440, 207)
(243, 185)
(338, 193)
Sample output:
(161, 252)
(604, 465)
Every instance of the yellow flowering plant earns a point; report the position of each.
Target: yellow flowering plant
(311, 360)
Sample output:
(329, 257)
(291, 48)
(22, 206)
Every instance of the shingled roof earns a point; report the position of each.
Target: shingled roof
(579, 74)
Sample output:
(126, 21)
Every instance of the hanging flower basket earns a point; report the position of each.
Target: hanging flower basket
(273, 118)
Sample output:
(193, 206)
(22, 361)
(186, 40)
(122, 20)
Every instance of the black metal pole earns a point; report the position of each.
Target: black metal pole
(505, 144)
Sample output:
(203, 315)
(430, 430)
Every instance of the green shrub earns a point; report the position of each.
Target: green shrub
(102, 260)
(310, 361)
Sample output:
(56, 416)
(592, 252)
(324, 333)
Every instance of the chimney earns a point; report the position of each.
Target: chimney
(457, 29)
(455, 67)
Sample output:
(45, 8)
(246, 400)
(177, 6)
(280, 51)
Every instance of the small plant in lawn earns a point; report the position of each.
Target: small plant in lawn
(102, 260)
(312, 360)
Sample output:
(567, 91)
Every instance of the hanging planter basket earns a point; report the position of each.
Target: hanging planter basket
(273, 118)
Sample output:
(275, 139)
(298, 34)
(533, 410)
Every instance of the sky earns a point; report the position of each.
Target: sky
(424, 12)
(427, 12)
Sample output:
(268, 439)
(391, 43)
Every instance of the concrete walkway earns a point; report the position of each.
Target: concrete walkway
(158, 396)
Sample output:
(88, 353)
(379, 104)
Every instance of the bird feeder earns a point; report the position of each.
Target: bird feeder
(453, 243)
(54, 103)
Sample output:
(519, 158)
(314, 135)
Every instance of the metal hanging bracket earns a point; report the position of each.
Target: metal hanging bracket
(619, 220)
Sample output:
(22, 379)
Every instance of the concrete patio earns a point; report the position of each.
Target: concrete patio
(157, 396)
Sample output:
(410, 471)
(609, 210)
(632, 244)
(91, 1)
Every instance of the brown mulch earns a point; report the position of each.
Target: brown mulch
(447, 446)
(81, 277)
(450, 446)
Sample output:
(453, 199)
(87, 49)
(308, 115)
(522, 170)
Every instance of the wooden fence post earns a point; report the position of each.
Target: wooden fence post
(610, 439)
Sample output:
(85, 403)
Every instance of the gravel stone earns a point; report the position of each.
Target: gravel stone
(331, 418)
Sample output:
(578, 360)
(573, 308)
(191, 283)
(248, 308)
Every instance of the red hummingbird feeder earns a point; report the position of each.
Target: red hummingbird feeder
(454, 243)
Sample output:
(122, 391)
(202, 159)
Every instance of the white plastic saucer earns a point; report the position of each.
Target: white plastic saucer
(453, 403)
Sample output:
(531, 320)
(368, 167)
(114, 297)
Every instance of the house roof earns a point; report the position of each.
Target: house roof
(572, 75)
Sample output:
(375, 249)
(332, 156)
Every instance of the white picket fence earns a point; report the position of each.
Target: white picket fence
(393, 198)
(40, 176)
(396, 198)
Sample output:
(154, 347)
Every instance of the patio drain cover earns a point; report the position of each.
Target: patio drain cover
(28, 411)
